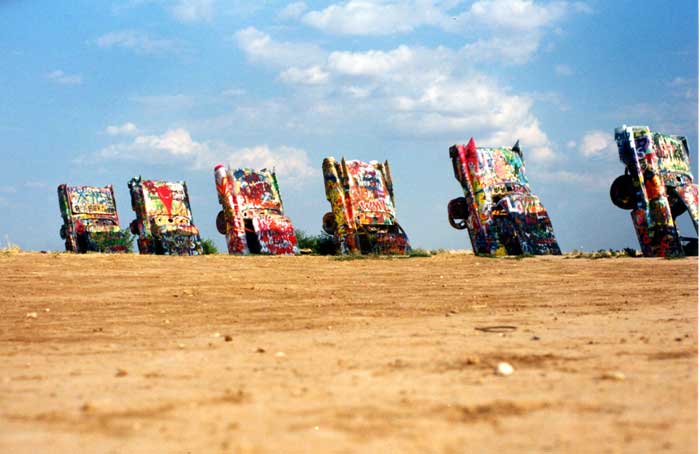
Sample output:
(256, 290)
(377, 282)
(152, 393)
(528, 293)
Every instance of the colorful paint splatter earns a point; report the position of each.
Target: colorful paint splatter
(363, 217)
(502, 215)
(90, 220)
(163, 221)
(252, 215)
(658, 187)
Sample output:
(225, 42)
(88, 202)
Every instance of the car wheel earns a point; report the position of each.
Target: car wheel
(622, 192)
(330, 225)
(457, 213)
(221, 222)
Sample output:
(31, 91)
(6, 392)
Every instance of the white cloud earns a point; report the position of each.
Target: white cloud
(309, 76)
(8, 190)
(373, 17)
(260, 47)
(174, 143)
(370, 63)
(177, 146)
(293, 10)
(515, 15)
(127, 129)
(598, 143)
(563, 70)
(510, 48)
(416, 91)
(193, 10)
(135, 40)
(62, 78)
(292, 164)
(571, 144)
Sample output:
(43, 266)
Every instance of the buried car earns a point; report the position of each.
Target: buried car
(501, 213)
(163, 221)
(90, 220)
(252, 215)
(657, 187)
(363, 217)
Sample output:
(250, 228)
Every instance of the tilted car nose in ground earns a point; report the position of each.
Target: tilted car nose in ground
(163, 223)
(253, 217)
(658, 187)
(498, 209)
(363, 216)
(90, 220)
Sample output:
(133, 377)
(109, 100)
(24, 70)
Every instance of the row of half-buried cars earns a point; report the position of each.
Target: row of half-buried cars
(498, 209)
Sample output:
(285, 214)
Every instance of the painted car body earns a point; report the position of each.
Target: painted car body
(501, 213)
(90, 220)
(657, 187)
(363, 217)
(163, 223)
(252, 215)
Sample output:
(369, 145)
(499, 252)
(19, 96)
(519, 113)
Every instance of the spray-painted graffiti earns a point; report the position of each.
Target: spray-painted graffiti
(658, 187)
(498, 209)
(90, 220)
(363, 217)
(252, 215)
(163, 221)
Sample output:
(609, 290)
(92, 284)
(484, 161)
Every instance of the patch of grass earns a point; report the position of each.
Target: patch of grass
(10, 247)
(321, 244)
(419, 253)
(602, 254)
(208, 247)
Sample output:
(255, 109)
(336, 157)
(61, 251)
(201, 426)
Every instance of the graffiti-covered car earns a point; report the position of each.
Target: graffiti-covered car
(657, 187)
(501, 213)
(163, 221)
(363, 217)
(90, 220)
(252, 215)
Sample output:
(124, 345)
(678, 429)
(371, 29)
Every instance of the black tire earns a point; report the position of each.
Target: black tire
(329, 224)
(134, 227)
(690, 248)
(457, 213)
(221, 222)
(62, 232)
(622, 193)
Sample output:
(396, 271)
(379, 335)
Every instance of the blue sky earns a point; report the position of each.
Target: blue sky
(97, 92)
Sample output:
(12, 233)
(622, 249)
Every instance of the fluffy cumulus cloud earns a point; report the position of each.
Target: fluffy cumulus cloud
(193, 10)
(177, 146)
(174, 143)
(293, 10)
(135, 40)
(260, 47)
(598, 144)
(371, 17)
(292, 164)
(127, 129)
(416, 91)
(510, 31)
(62, 78)
(309, 76)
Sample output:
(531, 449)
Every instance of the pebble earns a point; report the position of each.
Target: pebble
(228, 338)
(614, 375)
(32, 315)
(260, 350)
(504, 369)
(121, 373)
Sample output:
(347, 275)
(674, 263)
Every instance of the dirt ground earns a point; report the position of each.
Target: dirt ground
(136, 354)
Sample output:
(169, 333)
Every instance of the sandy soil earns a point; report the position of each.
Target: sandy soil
(297, 354)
